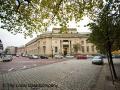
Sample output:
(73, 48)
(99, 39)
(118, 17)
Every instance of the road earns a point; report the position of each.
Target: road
(22, 63)
(67, 75)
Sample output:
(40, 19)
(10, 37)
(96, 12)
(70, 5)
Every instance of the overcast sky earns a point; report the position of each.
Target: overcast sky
(9, 39)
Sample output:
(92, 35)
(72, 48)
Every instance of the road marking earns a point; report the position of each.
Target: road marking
(10, 69)
(34, 65)
(24, 67)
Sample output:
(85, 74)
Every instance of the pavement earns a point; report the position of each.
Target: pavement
(105, 81)
(66, 75)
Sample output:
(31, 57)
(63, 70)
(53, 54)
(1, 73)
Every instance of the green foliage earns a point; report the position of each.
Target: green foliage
(37, 15)
(106, 28)
(6, 51)
(76, 47)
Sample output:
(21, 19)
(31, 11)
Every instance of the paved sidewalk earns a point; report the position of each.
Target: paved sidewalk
(66, 75)
(105, 82)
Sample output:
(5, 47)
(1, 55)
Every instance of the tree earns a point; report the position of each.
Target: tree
(28, 16)
(106, 30)
(76, 47)
(7, 51)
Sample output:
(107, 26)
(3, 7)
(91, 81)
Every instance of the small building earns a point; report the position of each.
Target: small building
(11, 50)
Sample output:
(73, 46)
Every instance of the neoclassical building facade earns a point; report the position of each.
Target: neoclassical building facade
(51, 43)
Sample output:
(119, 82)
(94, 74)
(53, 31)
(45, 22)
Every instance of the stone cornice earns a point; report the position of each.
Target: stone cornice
(58, 35)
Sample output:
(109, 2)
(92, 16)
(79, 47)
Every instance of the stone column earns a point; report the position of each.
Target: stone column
(70, 47)
(61, 47)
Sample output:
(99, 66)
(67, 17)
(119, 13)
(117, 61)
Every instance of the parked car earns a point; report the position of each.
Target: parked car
(115, 56)
(23, 55)
(97, 60)
(33, 57)
(17, 55)
(69, 56)
(89, 56)
(81, 57)
(7, 58)
(43, 57)
(58, 56)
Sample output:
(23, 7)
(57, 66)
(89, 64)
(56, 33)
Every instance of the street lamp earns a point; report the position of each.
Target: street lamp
(52, 52)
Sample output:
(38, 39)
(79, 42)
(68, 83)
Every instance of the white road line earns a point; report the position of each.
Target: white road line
(34, 64)
(10, 69)
(24, 67)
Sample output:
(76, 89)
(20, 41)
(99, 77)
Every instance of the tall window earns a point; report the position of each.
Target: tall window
(87, 48)
(44, 49)
(56, 49)
(82, 47)
(92, 48)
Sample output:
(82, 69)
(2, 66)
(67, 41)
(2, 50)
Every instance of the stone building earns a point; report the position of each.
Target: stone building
(21, 50)
(11, 50)
(51, 43)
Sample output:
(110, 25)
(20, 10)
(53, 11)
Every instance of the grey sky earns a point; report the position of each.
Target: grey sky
(9, 39)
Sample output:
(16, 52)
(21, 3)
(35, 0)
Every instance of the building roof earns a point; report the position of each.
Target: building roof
(59, 35)
(63, 35)
(74, 29)
(32, 41)
(69, 30)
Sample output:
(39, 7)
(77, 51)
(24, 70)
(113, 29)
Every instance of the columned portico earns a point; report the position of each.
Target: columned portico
(65, 47)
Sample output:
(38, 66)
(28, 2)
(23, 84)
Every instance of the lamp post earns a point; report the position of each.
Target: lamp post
(52, 52)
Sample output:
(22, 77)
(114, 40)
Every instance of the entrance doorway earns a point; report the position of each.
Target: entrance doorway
(65, 49)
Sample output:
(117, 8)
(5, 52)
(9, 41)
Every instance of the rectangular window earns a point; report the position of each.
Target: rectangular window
(87, 48)
(44, 49)
(82, 47)
(56, 49)
(92, 48)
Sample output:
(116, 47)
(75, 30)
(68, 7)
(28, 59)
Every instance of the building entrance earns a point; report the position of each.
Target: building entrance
(65, 49)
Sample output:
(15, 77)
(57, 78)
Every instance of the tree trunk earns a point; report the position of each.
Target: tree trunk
(110, 68)
(111, 62)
